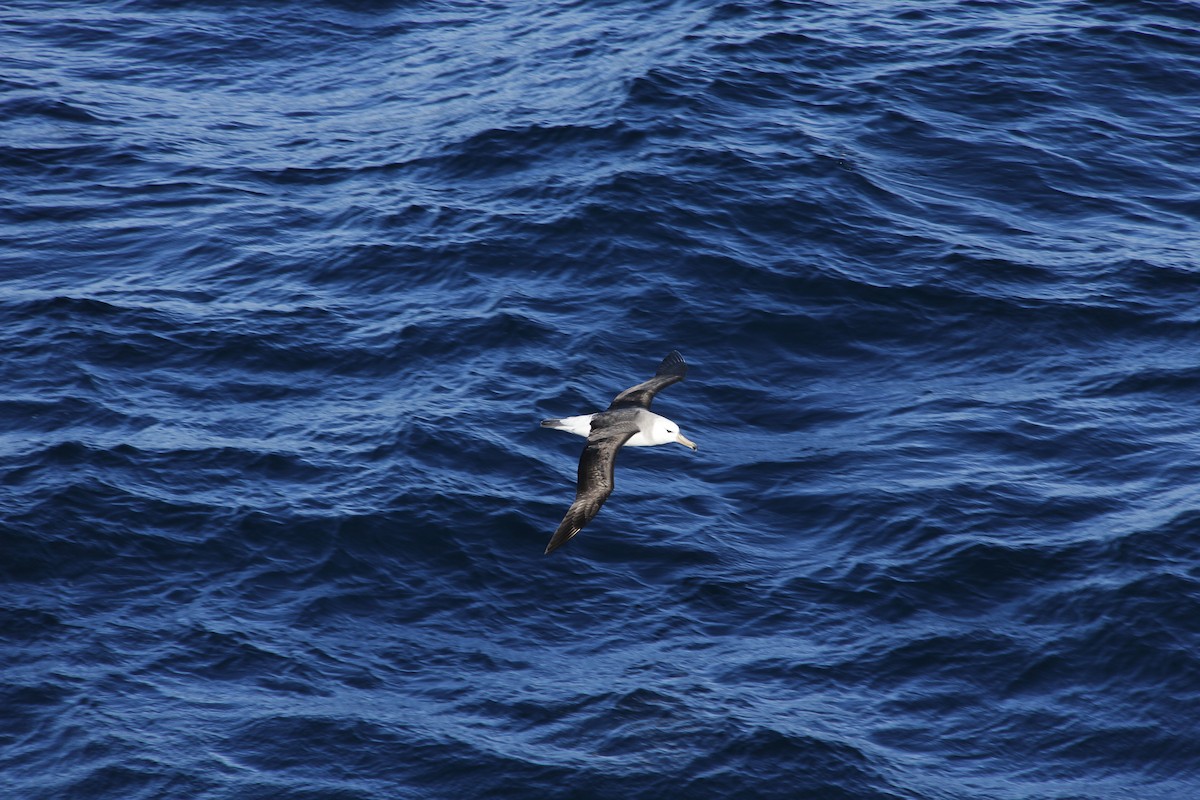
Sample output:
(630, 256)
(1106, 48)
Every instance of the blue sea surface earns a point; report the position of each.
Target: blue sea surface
(286, 289)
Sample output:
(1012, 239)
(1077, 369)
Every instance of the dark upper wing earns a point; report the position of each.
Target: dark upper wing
(672, 370)
(595, 480)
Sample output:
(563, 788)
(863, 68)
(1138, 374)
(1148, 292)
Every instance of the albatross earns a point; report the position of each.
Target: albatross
(627, 421)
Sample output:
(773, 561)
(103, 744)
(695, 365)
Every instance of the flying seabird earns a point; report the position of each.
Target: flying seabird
(627, 421)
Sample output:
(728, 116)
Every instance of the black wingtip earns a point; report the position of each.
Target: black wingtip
(673, 364)
(559, 539)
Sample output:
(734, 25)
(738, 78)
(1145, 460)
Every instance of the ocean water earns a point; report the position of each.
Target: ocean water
(285, 290)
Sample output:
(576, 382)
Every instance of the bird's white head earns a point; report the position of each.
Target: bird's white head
(664, 431)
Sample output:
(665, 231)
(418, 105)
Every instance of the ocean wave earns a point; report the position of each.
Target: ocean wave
(287, 294)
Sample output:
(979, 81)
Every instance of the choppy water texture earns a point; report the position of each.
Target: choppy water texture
(288, 287)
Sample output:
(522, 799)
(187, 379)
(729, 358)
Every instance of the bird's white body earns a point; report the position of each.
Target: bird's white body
(580, 426)
(654, 428)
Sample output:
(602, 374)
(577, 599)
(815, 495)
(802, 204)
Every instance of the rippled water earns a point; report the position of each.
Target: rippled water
(287, 289)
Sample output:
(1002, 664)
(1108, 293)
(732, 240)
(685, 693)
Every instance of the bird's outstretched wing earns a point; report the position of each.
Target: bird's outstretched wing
(673, 369)
(595, 480)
